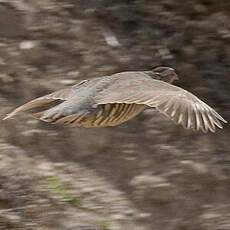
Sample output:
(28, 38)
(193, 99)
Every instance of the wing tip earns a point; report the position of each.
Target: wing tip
(224, 121)
(10, 115)
(220, 118)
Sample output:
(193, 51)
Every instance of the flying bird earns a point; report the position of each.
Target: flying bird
(115, 99)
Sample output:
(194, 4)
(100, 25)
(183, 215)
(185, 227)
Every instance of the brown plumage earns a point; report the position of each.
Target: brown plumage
(112, 100)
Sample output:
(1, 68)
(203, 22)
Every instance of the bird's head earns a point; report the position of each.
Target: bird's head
(166, 74)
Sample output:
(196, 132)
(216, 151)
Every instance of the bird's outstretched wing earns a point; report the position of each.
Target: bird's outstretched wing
(46, 101)
(176, 103)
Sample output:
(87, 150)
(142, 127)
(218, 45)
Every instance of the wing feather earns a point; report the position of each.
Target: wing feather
(176, 103)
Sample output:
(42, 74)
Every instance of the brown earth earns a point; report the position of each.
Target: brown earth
(147, 174)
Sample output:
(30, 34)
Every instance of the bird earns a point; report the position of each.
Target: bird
(114, 99)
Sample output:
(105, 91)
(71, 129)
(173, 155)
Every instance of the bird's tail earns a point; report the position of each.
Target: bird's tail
(38, 104)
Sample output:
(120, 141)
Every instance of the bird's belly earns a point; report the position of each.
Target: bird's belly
(113, 114)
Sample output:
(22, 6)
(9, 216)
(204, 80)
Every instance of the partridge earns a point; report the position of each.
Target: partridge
(115, 99)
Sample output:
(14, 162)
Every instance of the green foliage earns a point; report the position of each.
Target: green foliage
(58, 188)
(104, 225)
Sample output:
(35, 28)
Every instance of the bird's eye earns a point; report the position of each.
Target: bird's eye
(157, 76)
(82, 82)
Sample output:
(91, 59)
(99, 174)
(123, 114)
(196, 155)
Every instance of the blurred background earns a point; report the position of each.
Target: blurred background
(147, 174)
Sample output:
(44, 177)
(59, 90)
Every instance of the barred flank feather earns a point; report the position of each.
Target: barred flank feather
(113, 114)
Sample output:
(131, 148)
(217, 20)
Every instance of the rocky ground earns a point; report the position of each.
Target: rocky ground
(147, 174)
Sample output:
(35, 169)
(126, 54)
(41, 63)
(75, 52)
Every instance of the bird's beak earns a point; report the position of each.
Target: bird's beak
(176, 77)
